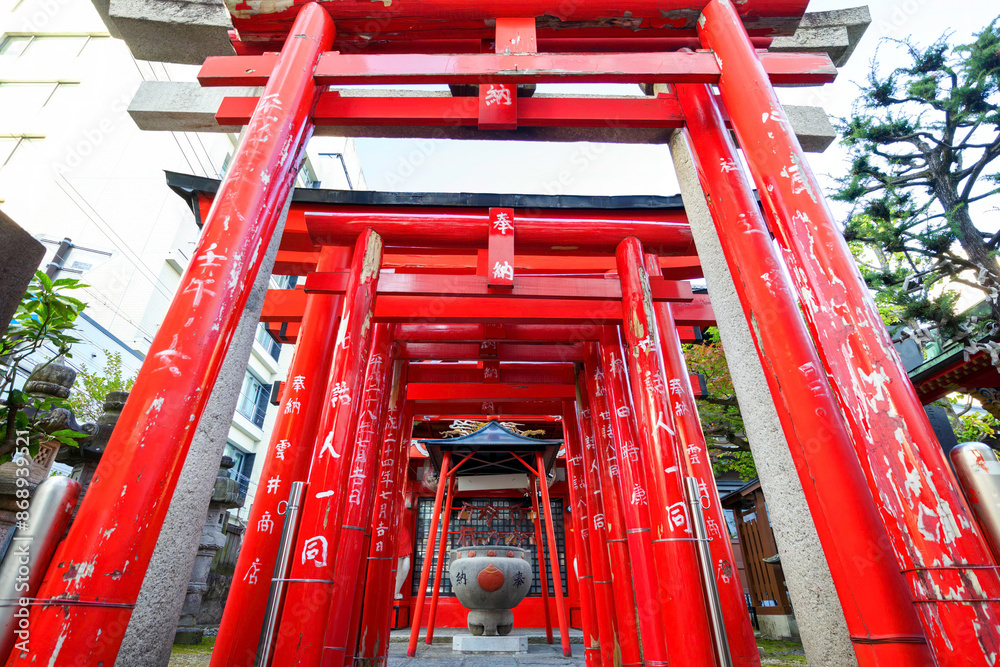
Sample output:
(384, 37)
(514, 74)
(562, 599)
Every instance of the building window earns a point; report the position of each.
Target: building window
(242, 468)
(502, 523)
(273, 347)
(26, 98)
(51, 48)
(253, 400)
(11, 146)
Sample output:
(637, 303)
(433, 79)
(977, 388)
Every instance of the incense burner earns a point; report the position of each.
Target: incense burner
(490, 581)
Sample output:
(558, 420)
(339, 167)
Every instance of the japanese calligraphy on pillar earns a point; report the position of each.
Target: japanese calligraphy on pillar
(500, 255)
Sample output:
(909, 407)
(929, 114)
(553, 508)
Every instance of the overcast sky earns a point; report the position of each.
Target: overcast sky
(608, 169)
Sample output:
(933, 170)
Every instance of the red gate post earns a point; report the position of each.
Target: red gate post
(676, 558)
(540, 558)
(601, 503)
(613, 500)
(575, 478)
(425, 573)
(877, 605)
(550, 534)
(442, 555)
(287, 458)
(373, 640)
(622, 473)
(361, 488)
(739, 631)
(928, 521)
(103, 560)
(310, 586)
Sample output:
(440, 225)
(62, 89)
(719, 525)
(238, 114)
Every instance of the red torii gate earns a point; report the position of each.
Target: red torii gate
(872, 471)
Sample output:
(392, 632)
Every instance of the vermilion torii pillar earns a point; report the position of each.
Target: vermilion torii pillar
(629, 615)
(543, 576)
(604, 598)
(928, 522)
(877, 606)
(630, 544)
(550, 535)
(373, 641)
(580, 517)
(287, 460)
(351, 551)
(739, 631)
(308, 597)
(104, 558)
(681, 584)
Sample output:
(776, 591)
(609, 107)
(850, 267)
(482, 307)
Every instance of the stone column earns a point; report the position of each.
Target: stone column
(151, 630)
(817, 609)
(225, 495)
(20, 256)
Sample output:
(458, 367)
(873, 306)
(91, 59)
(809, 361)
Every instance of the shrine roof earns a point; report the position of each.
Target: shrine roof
(491, 448)
(189, 187)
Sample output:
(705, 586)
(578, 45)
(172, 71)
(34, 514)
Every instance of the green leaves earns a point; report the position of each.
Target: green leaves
(45, 319)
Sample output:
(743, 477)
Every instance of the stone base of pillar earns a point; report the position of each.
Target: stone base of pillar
(778, 626)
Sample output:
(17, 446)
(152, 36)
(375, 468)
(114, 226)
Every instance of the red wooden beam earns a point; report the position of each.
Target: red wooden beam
(568, 231)
(510, 373)
(303, 262)
(334, 108)
(395, 308)
(345, 69)
(448, 391)
(433, 285)
(505, 352)
(286, 331)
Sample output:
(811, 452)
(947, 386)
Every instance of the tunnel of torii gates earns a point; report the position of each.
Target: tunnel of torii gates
(574, 315)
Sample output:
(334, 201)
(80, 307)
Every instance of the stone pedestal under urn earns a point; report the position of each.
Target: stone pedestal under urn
(490, 581)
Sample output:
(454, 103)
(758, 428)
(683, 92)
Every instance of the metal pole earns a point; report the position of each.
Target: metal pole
(711, 588)
(929, 525)
(425, 572)
(350, 546)
(386, 520)
(314, 569)
(288, 456)
(53, 268)
(977, 469)
(183, 361)
(878, 608)
(576, 480)
(276, 592)
(540, 558)
(550, 533)
(31, 549)
(602, 508)
(627, 513)
(676, 557)
(722, 570)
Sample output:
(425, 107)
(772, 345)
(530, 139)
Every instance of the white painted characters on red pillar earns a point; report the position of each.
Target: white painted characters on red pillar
(339, 394)
(639, 495)
(677, 517)
(314, 550)
(298, 383)
(504, 270)
(273, 484)
(251, 576)
(209, 257)
(725, 571)
(266, 524)
(293, 406)
(694, 454)
(499, 95)
(279, 449)
(200, 289)
(503, 223)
